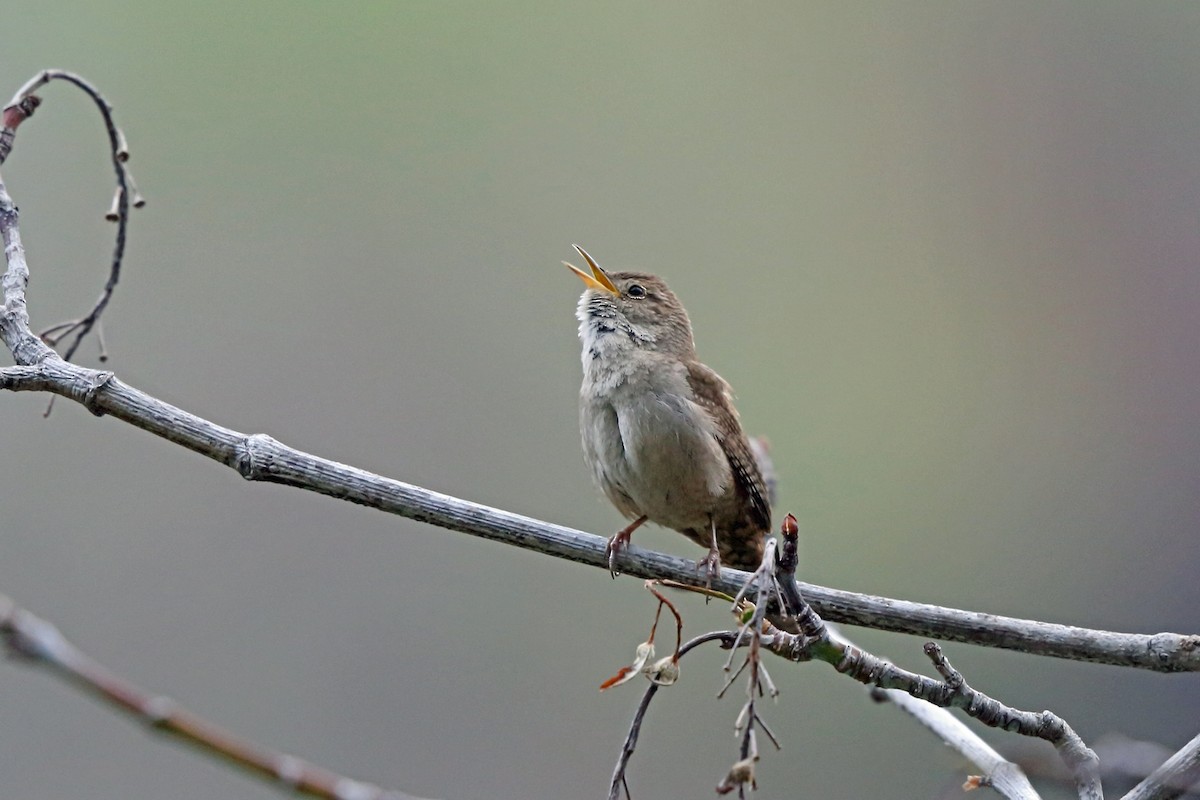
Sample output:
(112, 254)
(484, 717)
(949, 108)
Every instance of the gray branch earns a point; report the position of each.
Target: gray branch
(36, 641)
(1176, 776)
(1005, 777)
(260, 458)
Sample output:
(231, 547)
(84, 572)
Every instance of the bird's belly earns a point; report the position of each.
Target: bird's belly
(656, 455)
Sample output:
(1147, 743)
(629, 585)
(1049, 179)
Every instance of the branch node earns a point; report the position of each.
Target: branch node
(289, 770)
(349, 789)
(114, 211)
(14, 114)
(33, 638)
(253, 460)
(136, 199)
(120, 144)
(158, 710)
(89, 390)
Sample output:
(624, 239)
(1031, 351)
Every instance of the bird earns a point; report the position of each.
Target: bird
(660, 431)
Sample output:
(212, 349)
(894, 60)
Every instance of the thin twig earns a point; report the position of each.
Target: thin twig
(741, 773)
(663, 601)
(119, 213)
(1002, 775)
(792, 600)
(36, 641)
(635, 725)
(733, 675)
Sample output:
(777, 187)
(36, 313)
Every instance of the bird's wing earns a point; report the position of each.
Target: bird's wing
(715, 396)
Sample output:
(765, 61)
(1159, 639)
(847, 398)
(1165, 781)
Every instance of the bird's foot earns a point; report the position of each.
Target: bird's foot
(711, 564)
(617, 542)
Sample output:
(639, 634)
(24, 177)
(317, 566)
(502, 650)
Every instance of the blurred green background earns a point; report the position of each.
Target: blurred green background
(945, 252)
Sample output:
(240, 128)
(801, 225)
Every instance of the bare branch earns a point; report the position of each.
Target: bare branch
(1079, 757)
(635, 726)
(815, 642)
(1006, 778)
(1177, 775)
(922, 697)
(260, 458)
(37, 641)
(20, 108)
(999, 773)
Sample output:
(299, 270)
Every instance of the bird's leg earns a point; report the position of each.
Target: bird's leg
(711, 562)
(617, 543)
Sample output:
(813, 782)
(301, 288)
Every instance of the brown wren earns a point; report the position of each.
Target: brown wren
(660, 432)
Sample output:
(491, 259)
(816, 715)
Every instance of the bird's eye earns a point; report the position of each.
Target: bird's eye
(636, 291)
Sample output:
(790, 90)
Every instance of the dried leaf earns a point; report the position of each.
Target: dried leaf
(645, 652)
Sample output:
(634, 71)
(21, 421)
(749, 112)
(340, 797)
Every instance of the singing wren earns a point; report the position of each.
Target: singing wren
(660, 432)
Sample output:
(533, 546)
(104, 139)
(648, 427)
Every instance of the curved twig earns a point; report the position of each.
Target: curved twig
(635, 725)
(24, 102)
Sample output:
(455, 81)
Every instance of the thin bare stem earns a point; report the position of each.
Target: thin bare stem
(663, 601)
(741, 773)
(1002, 775)
(36, 641)
(119, 213)
(635, 725)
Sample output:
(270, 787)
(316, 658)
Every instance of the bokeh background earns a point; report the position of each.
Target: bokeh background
(946, 253)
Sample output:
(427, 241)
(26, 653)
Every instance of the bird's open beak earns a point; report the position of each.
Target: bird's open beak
(598, 280)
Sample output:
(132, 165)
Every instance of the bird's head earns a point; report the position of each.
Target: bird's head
(634, 306)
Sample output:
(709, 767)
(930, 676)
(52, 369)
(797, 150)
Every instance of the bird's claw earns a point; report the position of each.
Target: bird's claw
(616, 543)
(712, 561)
(711, 564)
